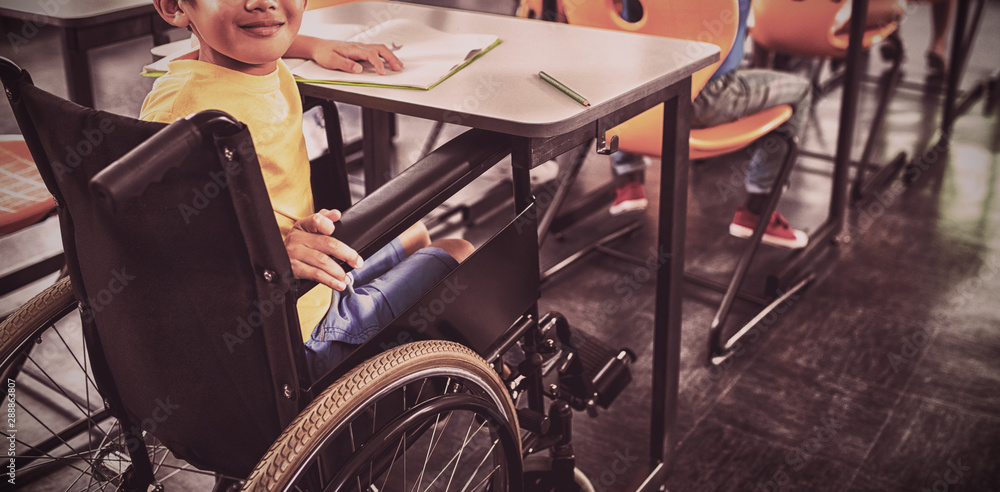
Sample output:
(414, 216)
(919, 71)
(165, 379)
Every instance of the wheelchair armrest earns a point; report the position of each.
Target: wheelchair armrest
(128, 177)
(384, 214)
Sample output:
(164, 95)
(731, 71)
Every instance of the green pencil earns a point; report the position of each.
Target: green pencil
(566, 90)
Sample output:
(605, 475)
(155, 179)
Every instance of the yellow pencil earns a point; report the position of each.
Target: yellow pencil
(566, 90)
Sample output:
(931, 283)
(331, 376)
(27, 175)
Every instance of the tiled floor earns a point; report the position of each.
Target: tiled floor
(883, 375)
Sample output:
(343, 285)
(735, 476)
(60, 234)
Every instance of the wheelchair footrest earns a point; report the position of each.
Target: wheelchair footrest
(593, 374)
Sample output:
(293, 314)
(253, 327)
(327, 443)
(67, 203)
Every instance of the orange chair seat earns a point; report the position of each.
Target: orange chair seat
(643, 134)
(24, 199)
(819, 28)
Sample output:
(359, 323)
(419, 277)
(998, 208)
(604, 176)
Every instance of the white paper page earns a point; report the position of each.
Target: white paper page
(428, 55)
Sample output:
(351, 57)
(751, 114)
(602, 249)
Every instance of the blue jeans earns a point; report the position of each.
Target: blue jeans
(737, 94)
(387, 284)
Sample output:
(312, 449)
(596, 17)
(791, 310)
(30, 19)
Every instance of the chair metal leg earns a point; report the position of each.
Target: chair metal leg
(864, 185)
(432, 138)
(719, 350)
(564, 182)
(597, 245)
(331, 185)
(552, 221)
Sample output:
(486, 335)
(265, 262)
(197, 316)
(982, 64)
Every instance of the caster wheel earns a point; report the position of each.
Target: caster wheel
(538, 476)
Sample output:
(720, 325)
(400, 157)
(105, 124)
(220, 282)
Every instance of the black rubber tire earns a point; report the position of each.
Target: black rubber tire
(385, 376)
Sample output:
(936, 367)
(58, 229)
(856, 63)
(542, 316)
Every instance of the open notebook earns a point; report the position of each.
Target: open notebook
(429, 56)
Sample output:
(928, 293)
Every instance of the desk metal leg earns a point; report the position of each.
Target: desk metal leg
(77, 68)
(831, 229)
(961, 45)
(963, 34)
(669, 278)
(957, 64)
(377, 146)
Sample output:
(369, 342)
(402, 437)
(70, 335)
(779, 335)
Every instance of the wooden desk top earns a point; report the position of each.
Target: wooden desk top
(75, 13)
(502, 92)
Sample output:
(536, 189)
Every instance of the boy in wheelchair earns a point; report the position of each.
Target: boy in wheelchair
(237, 69)
(252, 416)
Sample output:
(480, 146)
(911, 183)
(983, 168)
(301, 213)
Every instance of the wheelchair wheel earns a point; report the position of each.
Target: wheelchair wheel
(56, 420)
(424, 416)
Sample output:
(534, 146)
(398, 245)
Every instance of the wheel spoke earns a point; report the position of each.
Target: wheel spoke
(444, 427)
(54, 458)
(392, 463)
(57, 436)
(480, 465)
(420, 478)
(459, 453)
(57, 386)
(457, 461)
(483, 481)
(73, 354)
(420, 391)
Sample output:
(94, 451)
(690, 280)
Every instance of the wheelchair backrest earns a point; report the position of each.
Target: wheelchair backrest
(185, 289)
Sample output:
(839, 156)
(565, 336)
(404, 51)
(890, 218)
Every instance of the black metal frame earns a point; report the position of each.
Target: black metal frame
(719, 351)
(957, 102)
(869, 176)
(830, 231)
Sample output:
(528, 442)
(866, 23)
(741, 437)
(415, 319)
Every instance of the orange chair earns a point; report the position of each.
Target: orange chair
(24, 201)
(535, 9)
(717, 22)
(641, 135)
(529, 9)
(820, 29)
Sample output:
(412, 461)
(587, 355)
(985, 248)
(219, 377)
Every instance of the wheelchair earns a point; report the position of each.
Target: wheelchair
(171, 357)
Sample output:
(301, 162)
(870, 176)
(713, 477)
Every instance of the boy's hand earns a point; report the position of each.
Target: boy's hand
(340, 55)
(312, 251)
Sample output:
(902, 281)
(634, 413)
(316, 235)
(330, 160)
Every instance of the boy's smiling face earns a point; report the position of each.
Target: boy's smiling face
(244, 35)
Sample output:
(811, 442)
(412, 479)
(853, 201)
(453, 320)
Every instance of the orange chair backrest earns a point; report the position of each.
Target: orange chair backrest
(527, 7)
(819, 28)
(710, 21)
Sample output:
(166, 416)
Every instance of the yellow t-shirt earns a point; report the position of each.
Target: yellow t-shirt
(271, 108)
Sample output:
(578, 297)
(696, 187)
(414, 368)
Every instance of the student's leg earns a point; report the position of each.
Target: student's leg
(458, 249)
(630, 177)
(627, 165)
(364, 308)
(744, 92)
(390, 255)
(414, 238)
(741, 93)
(940, 16)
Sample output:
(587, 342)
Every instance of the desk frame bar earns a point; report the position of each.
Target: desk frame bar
(674, 166)
(961, 46)
(830, 231)
(528, 152)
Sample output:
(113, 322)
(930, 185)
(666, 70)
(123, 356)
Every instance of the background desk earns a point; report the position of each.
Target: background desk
(502, 92)
(85, 24)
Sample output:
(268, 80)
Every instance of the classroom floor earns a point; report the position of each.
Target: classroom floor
(883, 375)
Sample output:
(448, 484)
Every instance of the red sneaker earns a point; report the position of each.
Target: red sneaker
(629, 197)
(778, 233)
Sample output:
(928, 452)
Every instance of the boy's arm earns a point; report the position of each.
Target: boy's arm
(341, 55)
(312, 251)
